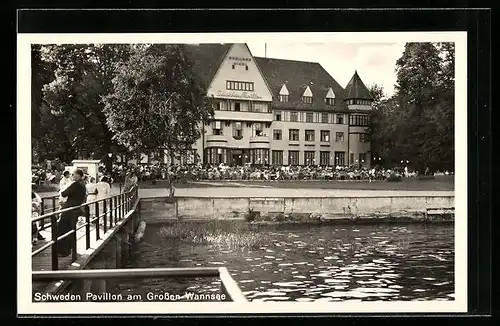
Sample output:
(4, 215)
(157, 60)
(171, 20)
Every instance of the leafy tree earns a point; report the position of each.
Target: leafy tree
(157, 101)
(75, 121)
(419, 95)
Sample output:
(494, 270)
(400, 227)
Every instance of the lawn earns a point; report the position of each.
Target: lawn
(441, 183)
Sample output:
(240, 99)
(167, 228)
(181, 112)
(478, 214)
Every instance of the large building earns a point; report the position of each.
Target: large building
(275, 111)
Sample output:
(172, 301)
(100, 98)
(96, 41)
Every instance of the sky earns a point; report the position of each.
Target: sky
(375, 62)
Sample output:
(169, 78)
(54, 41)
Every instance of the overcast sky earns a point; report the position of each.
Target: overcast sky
(375, 62)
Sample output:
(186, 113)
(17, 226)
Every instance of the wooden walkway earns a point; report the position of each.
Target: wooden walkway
(43, 262)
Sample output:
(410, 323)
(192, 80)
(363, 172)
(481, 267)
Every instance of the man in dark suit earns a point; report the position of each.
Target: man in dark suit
(76, 194)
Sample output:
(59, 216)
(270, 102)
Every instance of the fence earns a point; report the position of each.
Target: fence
(108, 212)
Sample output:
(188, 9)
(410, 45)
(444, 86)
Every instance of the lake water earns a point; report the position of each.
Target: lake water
(310, 263)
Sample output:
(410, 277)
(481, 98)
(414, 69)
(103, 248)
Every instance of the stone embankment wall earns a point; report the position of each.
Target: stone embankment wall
(300, 209)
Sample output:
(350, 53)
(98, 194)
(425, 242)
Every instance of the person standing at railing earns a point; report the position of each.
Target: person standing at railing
(103, 191)
(76, 194)
(36, 206)
(63, 184)
(92, 192)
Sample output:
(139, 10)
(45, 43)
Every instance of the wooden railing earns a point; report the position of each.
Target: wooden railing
(107, 213)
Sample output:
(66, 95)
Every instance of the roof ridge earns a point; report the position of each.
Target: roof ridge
(314, 62)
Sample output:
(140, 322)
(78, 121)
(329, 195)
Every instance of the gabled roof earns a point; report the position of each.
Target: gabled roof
(297, 75)
(206, 59)
(356, 89)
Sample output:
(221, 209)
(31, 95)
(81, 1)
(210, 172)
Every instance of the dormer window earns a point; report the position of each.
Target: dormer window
(330, 97)
(283, 98)
(307, 99)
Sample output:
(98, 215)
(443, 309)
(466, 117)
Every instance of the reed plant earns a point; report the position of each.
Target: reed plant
(228, 234)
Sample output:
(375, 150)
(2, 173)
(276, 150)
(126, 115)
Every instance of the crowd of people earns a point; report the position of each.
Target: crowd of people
(177, 173)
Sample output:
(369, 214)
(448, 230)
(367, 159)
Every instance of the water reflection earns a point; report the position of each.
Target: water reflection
(316, 263)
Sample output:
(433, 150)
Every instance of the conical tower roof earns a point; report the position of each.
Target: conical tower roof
(356, 89)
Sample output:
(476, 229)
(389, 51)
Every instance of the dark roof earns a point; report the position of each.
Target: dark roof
(356, 89)
(297, 75)
(206, 59)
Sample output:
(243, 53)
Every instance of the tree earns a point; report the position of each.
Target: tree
(419, 95)
(157, 101)
(74, 106)
(41, 74)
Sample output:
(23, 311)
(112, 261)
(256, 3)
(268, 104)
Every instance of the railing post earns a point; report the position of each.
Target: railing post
(115, 199)
(87, 227)
(111, 212)
(73, 236)
(105, 218)
(55, 258)
(122, 199)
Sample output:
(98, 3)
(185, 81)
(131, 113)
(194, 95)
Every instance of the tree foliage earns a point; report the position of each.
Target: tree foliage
(417, 122)
(71, 114)
(156, 101)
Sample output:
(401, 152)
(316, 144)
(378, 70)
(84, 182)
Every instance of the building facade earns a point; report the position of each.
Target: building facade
(277, 112)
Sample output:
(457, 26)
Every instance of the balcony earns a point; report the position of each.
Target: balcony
(243, 116)
(216, 141)
(259, 142)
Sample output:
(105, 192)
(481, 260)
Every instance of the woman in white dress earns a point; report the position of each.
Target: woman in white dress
(103, 191)
(91, 194)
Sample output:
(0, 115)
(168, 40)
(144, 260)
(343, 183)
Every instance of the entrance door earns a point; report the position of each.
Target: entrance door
(237, 159)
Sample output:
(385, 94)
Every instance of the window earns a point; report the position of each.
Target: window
(330, 101)
(239, 86)
(228, 123)
(216, 126)
(324, 117)
(364, 138)
(307, 99)
(277, 157)
(339, 136)
(277, 116)
(268, 125)
(359, 120)
(293, 135)
(340, 119)
(249, 125)
(339, 158)
(257, 129)
(351, 158)
(237, 130)
(260, 107)
(283, 98)
(309, 117)
(362, 158)
(325, 135)
(237, 106)
(324, 158)
(309, 158)
(259, 156)
(277, 135)
(293, 157)
(294, 117)
(309, 135)
(215, 155)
